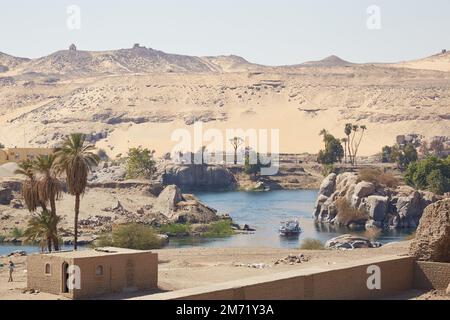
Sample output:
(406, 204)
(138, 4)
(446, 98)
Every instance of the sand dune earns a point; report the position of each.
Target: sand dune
(139, 96)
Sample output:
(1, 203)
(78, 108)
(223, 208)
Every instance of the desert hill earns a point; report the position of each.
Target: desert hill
(439, 62)
(8, 62)
(139, 59)
(331, 61)
(139, 96)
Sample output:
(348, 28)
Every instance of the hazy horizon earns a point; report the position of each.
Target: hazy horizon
(263, 32)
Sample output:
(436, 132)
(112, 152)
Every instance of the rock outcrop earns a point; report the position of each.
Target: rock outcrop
(167, 201)
(370, 205)
(5, 196)
(432, 240)
(198, 177)
(349, 242)
(183, 208)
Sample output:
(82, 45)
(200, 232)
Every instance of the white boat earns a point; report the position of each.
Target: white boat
(290, 228)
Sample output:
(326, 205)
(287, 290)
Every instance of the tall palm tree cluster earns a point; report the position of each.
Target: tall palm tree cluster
(73, 160)
(352, 142)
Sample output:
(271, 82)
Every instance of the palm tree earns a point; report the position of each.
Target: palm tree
(76, 159)
(49, 187)
(348, 132)
(363, 129)
(29, 188)
(324, 133)
(344, 141)
(41, 229)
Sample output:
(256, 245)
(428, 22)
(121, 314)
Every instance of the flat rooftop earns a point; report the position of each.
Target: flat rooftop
(90, 253)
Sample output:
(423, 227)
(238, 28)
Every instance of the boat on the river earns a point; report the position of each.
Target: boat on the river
(290, 228)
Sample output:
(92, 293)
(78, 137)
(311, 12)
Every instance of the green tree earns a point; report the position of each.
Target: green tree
(334, 152)
(29, 186)
(437, 182)
(140, 163)
(409, 155)
(41, 230)
(76, 158)
(431, 173)
(49, 188)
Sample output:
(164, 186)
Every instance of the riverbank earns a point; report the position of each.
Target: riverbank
(193, 267)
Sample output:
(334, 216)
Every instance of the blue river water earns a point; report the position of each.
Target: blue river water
(263, 211)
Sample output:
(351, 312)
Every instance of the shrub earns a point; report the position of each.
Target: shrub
(140, 163)
(372, 233)
(312, 244)
(378, 177)
(432, 174)
(175, 229)
(131, 236)
(347, 214)
(16, 233)
(386, 154)
(329, 168)
(219, 229)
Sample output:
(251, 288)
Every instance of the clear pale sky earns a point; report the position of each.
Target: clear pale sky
(275, 32)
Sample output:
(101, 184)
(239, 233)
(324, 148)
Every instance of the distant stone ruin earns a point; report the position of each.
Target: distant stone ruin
(444, 51)
(73, 47)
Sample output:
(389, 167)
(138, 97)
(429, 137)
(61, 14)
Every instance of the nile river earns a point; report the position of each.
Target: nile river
(263, 211)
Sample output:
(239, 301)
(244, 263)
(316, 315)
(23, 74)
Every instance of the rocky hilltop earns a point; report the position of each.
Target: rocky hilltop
(344, 200)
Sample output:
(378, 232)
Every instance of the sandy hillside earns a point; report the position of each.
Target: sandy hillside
(140, 96)
(440, 62)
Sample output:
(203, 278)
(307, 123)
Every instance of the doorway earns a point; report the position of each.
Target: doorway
(65, 277)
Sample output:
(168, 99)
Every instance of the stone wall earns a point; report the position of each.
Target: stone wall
(347, 281)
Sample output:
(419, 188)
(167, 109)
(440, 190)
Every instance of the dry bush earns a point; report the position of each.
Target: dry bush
(346, 214)
(312, 244)
(372, 233)
(378, 178)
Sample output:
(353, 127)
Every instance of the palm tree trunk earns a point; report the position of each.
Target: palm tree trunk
(54, 226)
(77, 211)
(348, 148)
(345, 152)
(235, 156)
(49, 244)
